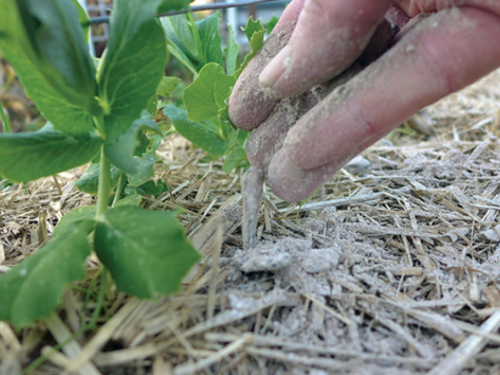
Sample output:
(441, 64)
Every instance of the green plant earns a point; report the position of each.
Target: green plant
(205, 120)
(5, 121)
(101, 111)
(99, 114)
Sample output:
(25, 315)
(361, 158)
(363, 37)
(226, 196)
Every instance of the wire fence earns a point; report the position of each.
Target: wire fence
(99, 8)
(234, 12)
(100, 32)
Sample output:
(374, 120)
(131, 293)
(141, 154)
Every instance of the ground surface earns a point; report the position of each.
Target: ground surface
(391, 269)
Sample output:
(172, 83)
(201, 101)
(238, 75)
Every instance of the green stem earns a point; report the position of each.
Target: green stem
(5, 120)
(100, 300)
(91, 326)
(119, 189)
(104, 184)
(99, 122)
(89, 292)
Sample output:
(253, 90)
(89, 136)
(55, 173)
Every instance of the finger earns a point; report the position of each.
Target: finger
(440, 55)
(268, 138)
(248, 105)
(294, 184)
(265, 141)
(328, 37)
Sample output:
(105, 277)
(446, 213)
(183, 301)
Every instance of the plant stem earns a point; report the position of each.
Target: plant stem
(100, 300)
(119, 189)
(5, 120)
(89, 292)
(104, 184)
(99, 122)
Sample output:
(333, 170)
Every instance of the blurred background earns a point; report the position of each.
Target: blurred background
(237, 17)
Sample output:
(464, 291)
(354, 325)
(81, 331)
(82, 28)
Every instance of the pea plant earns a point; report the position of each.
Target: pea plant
(205, 119)
(101, 111)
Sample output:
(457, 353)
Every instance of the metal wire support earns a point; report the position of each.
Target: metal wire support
(199, 8)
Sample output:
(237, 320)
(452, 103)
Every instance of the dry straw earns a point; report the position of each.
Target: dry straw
(391, 271)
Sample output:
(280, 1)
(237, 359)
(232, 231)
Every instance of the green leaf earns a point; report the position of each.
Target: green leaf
(134, 64)
(44, 42)
(121, 150)
(169, 5)
(84, 19)
(130, 200)
(236, 156)
(33, 288)
(224, 115)
(145, 170)
(167, 85)
(152, 188)
(144, 143)
(181, 56)
(147, 252)
(208, 29)
(71, 218)
(270, 24)
(225, 127)
(181, 32)
(194, 44)
(255, 34)
(208, 94)
(31, 155)
(202, 135)
(252, 27)
(89, 181)
(152, 105)
(231, 52)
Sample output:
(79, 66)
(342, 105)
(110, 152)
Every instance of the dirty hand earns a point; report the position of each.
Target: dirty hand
(316, 40)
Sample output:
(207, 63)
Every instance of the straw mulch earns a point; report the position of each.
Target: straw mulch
(391, 269)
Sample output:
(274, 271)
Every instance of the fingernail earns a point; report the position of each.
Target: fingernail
(274, 70)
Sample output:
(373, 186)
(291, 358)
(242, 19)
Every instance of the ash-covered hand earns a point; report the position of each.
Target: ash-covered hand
(316, 99)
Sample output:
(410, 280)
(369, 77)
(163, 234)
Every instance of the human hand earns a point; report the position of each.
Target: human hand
(449, 49)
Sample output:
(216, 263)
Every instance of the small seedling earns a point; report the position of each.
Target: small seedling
(95, 113)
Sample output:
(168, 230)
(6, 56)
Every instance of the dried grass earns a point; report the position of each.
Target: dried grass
(391, 271)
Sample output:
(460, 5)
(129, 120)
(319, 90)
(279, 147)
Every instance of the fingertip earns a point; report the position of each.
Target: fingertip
(268, 138)
(294, 184)
(248, 104)
(288, 182)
